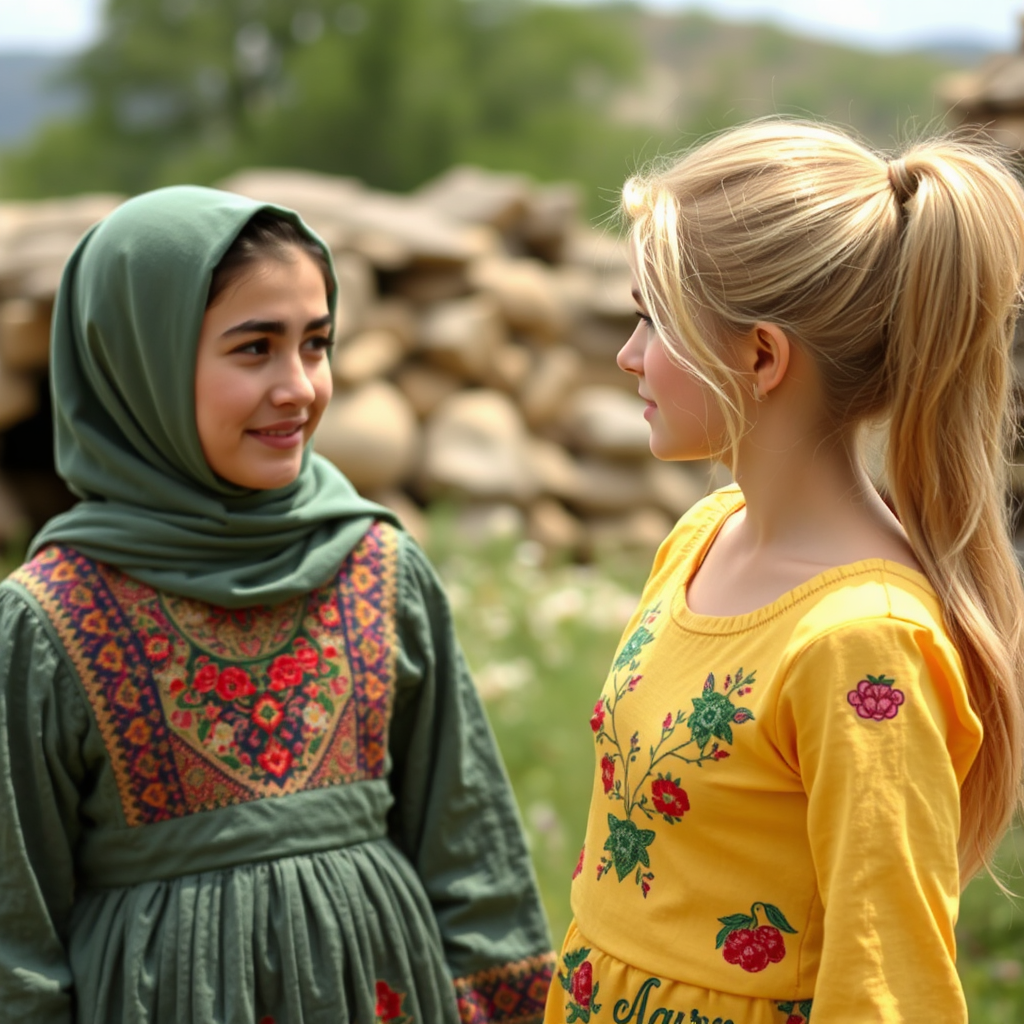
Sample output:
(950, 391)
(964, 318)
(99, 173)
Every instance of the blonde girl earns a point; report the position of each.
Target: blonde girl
(810, 738)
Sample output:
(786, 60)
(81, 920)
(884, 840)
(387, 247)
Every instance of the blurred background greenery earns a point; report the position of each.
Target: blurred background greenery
(395, 91)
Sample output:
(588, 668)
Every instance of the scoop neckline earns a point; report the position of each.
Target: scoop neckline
(699, 622)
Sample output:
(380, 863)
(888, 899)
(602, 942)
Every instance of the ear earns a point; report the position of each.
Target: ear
(767, 355)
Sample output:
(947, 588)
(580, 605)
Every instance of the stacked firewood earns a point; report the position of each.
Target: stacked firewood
(479, 319)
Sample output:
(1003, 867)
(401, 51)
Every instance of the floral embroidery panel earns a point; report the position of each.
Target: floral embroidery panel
(648, 784)
(202, 707)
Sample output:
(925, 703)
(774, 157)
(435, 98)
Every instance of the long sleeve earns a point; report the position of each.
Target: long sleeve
(874, 717)
(41, 718)
(456, 819)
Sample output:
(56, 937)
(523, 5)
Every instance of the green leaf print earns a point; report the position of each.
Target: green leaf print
(628, 767)
(640, 638)
(628, 845)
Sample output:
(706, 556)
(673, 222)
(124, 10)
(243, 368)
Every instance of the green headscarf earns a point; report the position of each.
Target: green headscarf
(125, 333)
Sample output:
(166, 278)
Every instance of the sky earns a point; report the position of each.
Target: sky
(62, 26)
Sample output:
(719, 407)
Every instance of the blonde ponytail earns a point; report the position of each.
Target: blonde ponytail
(951, 431)
(902, 279)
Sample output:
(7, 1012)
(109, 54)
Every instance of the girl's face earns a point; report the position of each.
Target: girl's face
(263, 371)
(686, 422)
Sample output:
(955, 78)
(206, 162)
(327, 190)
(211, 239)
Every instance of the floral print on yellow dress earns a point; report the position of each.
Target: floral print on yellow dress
(693, 737)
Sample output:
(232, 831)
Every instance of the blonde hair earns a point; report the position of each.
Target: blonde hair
(902, 279)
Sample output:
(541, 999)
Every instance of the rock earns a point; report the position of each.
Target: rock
(463, 335)
(641, 530)
(599, 339)
(545, 391)
(392, 231)
(476, 444)
(408, 512)
(551, 212)
(25, 334)
(480, 197)
(425, 284)
(426, 387)
(603, 250)
(357, 289)
(554, 469)
(15, 524)
(605, 488)
(366, 355)
(677, 486)
(371, 435)
(526, 294)
(395, 315)
(19, 397)
(551, 524)
(509, 368)
(612, 297)
(607, 422)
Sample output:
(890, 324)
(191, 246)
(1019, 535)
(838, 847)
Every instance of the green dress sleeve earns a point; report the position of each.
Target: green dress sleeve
(42, 727)
(455, 816)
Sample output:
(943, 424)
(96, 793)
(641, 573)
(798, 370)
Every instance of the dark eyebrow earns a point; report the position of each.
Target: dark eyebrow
(637, 297)
(273, 326)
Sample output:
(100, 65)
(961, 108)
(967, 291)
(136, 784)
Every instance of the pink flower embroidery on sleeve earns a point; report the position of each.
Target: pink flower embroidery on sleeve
(876, 697)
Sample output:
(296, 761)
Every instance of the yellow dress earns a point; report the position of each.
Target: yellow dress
(774, 819)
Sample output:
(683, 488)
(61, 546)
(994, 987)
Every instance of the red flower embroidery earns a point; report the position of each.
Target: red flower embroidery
(876, 697)
(389, 1002)
(669, 798)
(267, 713)
(607, 773)
(329, 614)
(285, 671)
(158, 648)
(579, 863)
(597, 718)
(205, 679)
(330, 651)
(719, 754)
(583, 984)
(276, 759)
(233, 683)
(182, 719)
(307, 657)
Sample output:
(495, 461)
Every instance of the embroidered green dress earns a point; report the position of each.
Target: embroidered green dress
(293, 813)
(244, 775)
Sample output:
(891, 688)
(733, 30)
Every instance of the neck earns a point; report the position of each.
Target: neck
(811, 499)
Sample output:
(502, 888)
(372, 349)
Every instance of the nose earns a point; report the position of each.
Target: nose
(631, 356)
(293, 386)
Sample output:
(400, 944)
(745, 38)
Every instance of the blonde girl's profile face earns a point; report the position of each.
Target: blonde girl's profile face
(263, 373)
(684, 417)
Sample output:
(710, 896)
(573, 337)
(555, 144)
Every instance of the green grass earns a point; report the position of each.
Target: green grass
(540, 641)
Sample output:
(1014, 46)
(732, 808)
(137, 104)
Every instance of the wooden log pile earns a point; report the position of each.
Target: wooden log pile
(479, 319)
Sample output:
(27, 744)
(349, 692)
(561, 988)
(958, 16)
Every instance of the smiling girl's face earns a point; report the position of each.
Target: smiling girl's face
(263, 371)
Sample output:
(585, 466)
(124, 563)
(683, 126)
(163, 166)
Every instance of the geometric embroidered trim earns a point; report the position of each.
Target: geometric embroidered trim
(513, 993)
(203, 707)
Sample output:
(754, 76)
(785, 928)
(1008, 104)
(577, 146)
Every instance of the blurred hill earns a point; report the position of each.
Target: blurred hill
(174, 91)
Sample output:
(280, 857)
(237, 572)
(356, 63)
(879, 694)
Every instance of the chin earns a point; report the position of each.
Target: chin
(264, 479)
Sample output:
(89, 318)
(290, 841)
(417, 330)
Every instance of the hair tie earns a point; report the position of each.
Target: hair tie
(903, 181)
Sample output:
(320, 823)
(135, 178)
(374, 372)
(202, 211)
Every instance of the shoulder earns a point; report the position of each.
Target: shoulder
(874, 648)
(696, 525)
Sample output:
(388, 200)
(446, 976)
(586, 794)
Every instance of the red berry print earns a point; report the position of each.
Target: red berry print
(743, 948)
(750, 945)
(876, 697)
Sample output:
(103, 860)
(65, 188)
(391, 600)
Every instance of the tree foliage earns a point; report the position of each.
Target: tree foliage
(391, 91)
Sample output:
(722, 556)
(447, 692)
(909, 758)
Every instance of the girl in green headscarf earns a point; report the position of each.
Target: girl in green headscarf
(244, 774)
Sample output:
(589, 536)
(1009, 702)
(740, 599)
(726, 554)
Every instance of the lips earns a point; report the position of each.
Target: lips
(286, 434)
